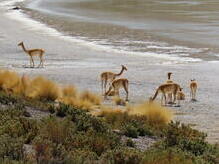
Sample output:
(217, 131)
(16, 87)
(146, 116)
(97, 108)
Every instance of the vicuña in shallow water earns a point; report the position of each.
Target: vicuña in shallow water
(108, 77)
(193, 89)
(33, 52)
(117, 84)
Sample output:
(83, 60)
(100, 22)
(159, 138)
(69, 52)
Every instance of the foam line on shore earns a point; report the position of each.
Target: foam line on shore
(44, 29)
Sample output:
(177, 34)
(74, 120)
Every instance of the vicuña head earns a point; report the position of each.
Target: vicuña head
(169, 75)
(20, 44)
(124, 67)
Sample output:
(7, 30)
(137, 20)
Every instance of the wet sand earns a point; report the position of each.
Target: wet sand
(69, 61)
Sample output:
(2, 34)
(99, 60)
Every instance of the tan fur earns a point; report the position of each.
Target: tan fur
(112, 93)
(193, 89)
(108, 77)
(116, 85)
(33, 52)
(180, 96)
(170, 88)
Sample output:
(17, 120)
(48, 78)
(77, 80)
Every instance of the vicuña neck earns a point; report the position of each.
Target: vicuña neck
(169, 76)
(22, 45)
(120, 72)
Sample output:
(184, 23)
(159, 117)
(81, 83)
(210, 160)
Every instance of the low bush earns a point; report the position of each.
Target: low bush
(56, 130)
(11, 147)
(7, 99)
(122, 155)
(130, 131)
(15, 125)
(170, 156)
(186, 138)
(81, 156)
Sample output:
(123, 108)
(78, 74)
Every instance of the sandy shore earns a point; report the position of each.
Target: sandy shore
(70, 61)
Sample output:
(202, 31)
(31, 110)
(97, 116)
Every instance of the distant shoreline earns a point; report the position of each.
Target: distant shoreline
(144, 45)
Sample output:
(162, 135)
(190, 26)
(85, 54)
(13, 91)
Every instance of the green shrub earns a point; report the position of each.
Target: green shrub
(62, 110)
(95, 142)
(7, 99)
(212, 154)
(81, 156)
(85, 122)
(186, 138)
(56, 130)
(145, 130)
(130, 131)
(9, 161)
(10, 147)
(123, 155)
(170, 156)
(15, 125)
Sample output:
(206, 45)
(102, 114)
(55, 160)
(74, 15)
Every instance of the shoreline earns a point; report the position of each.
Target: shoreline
(152, 46)
(67, 63)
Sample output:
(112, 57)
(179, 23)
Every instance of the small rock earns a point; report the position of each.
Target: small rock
(117, 131)
(16, 8)
(26, 114)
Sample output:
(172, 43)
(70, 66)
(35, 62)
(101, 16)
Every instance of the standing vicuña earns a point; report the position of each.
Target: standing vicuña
(116, 85)
(180, 96)
(108, 77)
(33, 52)
(193, 89)
(168, 88)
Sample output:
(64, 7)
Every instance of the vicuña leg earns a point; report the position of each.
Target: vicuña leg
(32, 61)
(127, 91)
(105, 84)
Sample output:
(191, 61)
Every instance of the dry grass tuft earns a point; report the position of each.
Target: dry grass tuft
(69, 91)
(88, 96)
(43, 89)
(119, 101)
(105, 110)
(20, 89)
(9, 81)
(77, 103)
(156, 114)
